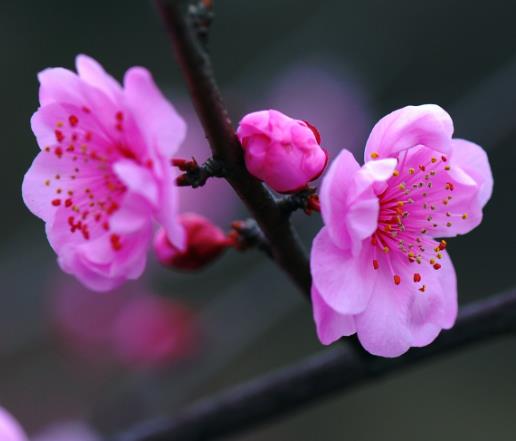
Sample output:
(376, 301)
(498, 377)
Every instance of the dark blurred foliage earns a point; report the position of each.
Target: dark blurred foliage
(340, 64)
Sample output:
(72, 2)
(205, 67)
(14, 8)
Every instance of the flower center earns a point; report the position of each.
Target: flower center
(412, 210)
(84, 182)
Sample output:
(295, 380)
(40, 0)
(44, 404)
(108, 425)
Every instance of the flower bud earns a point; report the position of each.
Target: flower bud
(281, 151)
(204, 243)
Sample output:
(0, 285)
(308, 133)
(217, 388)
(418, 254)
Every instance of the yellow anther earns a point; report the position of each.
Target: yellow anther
(402, 186)
(411, 170)
(59, 124)
(432, 261)
(448, 224)
(395, 173)
(465, 216)
(386, 249)
(447, 167)
(374, 155)
(434, 160)
(439, 255)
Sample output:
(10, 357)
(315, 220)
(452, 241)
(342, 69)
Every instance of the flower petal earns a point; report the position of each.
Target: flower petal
(10, 429)
(428, 125)
(94, 74)
(345, 282)
(159, 122)
(330, 325)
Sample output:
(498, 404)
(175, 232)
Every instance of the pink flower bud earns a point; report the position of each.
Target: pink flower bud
(204, 243)
(281, 151)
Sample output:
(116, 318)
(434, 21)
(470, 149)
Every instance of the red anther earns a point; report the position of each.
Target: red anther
(417, 277)
(437, 266)
(449, 186)
(56, 202)
(397, 279)
(59, 135)
(115, 242)
(423, 288)
(59, 152)
(70, 148)
(86, 109)
(422, 167)
(119, 116)
(315, 132)
(68, 202)
(73, 120)
(444, 158)
(88, 136)
(376, 265)
(442, 245)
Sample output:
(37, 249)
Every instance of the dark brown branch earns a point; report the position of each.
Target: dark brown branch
(275, 395)
(195, 64)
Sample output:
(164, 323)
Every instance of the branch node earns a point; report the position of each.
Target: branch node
(196, 175)
(247, 234)
(306, 200)
(201, 16)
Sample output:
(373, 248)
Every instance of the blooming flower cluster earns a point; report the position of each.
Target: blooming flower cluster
(378, 270)
(380, 265)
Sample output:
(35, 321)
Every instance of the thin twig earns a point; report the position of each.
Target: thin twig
(196, 66)
(280, 393)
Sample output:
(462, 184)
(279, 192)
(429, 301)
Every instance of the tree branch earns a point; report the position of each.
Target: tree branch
(196, 66)
(286, 390)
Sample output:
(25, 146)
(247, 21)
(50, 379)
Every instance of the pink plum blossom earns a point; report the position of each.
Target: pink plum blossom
(130, 327)
(103, 173)
(283, 152)
(378, 270)
(10, 430)
(204, 243)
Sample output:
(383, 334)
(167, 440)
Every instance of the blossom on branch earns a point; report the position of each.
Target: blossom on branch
(283, 152)
(204, 243)
(378, 270)
(103, 173)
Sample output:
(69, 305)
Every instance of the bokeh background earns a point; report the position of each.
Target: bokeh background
(74, 364)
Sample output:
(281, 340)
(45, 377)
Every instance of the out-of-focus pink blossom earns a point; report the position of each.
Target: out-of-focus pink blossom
(283, 152)
(377, 270)
(127, 327)
(10, 430)
(153, 331)
(103, 173)
(204, 243)
(67, 431)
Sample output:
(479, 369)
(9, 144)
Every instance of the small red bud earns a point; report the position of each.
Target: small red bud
(204, 243)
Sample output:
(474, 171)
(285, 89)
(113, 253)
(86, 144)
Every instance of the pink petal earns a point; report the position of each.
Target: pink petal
(159, 122)
(334, 197)
(473, 159)
(349, 202)
(137, 179)
(168, 210)
(382, 328)
(345, 282)
(330, 325)
(408, 127)
(10, 429)
(94, 74)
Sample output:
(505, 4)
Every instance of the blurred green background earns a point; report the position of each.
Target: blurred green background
(339, 64)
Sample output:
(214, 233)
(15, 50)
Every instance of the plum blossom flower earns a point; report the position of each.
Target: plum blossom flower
(204, 243)
(103, 173)
(378, 270)
(10, 430)
(283, 152)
